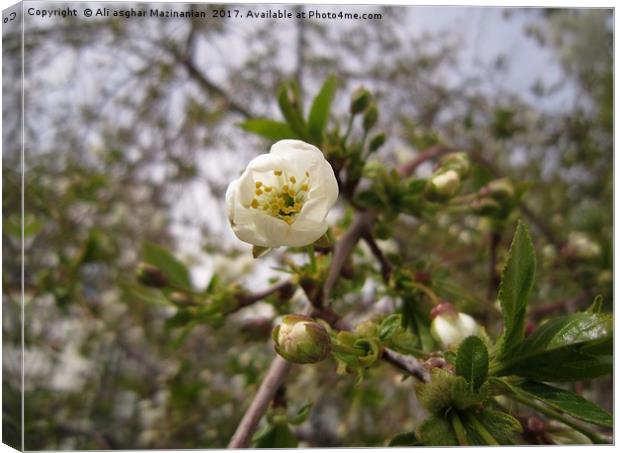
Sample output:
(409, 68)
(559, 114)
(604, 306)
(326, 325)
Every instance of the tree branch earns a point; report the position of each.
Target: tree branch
(245, 300)
(267, 390)
(186, 58)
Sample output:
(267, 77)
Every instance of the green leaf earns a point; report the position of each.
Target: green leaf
(567, 402)
(463, 396)
(181, 318)
(502, 426)
(145, 294)
(172, 268)
(271, 129)
(472, 361)
(407, 439)
(289, 102)
(369, 199)
(301, 415)
(258, 251)
(324, 241)
(437, 431)
(597, 305)
(319, 112)
(573, 347)
(389, 327)
(275, 436)
(516, 284)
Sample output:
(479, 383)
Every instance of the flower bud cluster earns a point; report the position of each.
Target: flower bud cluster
(496, 199)
(446, 181)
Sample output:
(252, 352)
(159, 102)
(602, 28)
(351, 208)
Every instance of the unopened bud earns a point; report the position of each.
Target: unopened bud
(458, 162)
(376, 142)
(443, 185)
(370, 117)
(300, 339)
(580, 246)
(359, 100)
(149, 275)
(449, 327)
(486, 207)
(501, 189)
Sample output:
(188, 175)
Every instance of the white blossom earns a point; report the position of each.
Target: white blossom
(282, 198)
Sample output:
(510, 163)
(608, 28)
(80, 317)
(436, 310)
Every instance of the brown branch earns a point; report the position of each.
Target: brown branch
(267, 390)
(245, 300)
(343, 249)
(434, 151)
(386, 267)
(407, 364)
(185, 57)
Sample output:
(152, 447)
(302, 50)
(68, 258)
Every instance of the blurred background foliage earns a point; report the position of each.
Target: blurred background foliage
(132, 137)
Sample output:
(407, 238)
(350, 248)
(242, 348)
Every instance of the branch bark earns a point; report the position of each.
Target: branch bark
(268, 388)
(248, 299)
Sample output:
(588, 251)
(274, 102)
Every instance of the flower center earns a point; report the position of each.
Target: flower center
(284, 199)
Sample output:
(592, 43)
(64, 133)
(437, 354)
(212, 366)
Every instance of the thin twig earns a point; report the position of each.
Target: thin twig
(386, 267)
(249, 299)
(406, 363)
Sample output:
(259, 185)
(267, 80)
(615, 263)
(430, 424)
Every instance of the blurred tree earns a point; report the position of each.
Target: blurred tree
(132, 135)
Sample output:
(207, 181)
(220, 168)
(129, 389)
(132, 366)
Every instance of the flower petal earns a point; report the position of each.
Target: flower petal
(298, 156)
(313, 213)
(278, 233)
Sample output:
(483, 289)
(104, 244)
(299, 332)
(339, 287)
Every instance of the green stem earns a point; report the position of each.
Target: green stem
(338, 347)
(459, 429)
(594, 437)
(310, 249)
(426, 290)
(349, 126)
(480, 428)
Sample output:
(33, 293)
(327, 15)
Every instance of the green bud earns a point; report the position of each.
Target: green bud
(179, 298)
(370, 117)
(149, 275)
(486, 207)
(300, 339)
(376, 142)
(360, 99)
(458, 162)
(501, 189)
(443, 185)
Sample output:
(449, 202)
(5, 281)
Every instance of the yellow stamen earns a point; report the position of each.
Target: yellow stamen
(258, 184)
(304, 187)
(268, 188)
(292, 179)
(259, 192)
(277, 172)
(254, 203)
